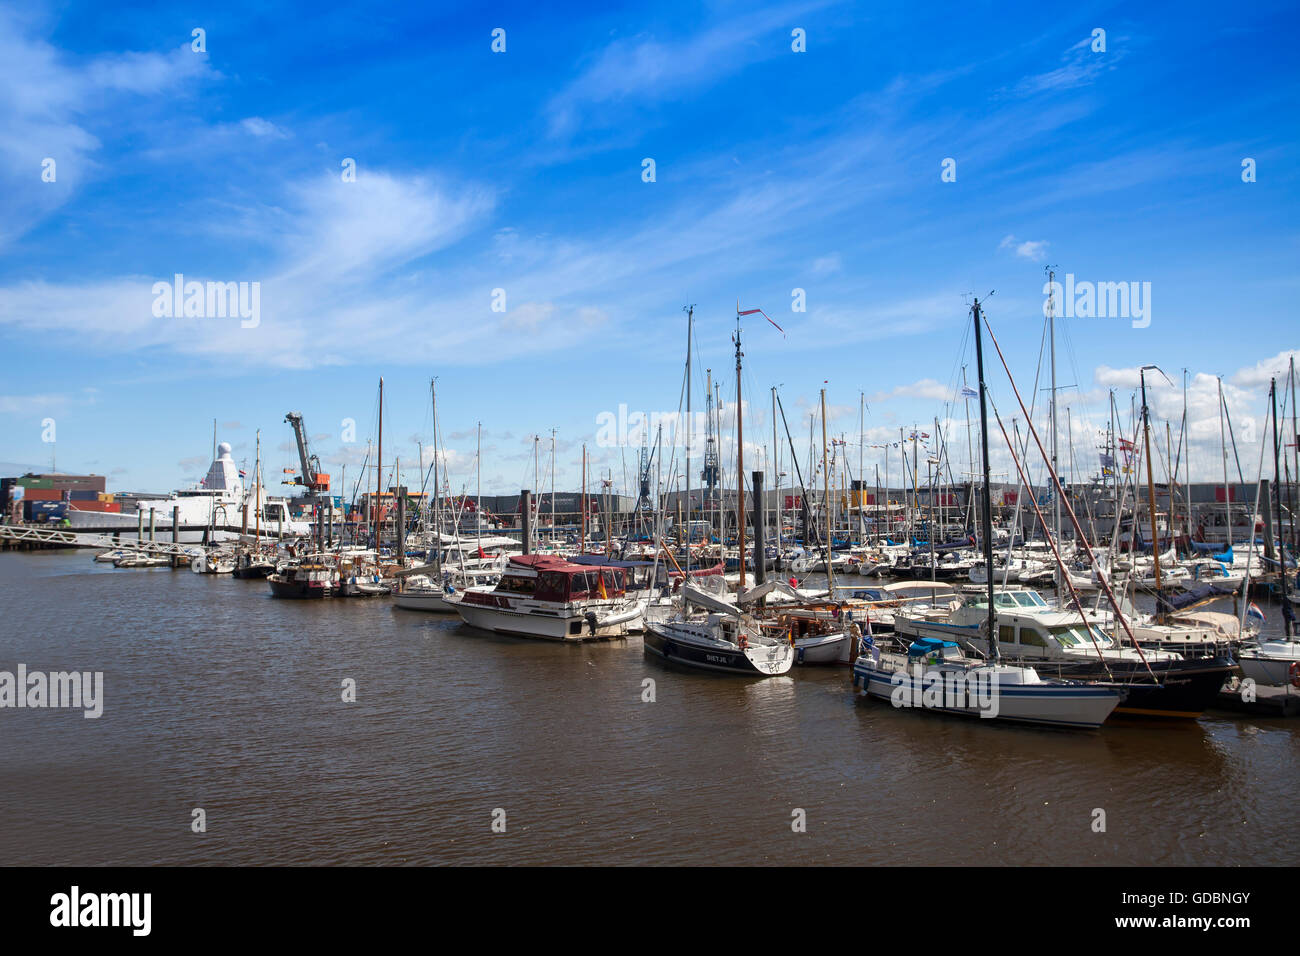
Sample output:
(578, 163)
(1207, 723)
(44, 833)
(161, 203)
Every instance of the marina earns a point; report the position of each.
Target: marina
(451, 722)
(715, 435)
(1015, 625)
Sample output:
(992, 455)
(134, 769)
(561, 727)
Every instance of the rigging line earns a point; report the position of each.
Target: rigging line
(1065, 573)
(1101, 576)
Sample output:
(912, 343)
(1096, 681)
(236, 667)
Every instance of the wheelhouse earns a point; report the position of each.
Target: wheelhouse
(547, 578)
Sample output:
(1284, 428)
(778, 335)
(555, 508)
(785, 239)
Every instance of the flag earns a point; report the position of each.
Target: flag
(968, 392)
(242, 473)
(600, 587)
(1255, 614)
(763, 314)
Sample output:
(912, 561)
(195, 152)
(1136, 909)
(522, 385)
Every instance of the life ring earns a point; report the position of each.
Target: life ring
(1294, 673)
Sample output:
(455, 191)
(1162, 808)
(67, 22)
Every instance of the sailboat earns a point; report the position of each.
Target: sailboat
(724, 639)
(934, 674)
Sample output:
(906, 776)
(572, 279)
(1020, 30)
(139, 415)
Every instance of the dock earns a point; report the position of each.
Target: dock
(1268, 702)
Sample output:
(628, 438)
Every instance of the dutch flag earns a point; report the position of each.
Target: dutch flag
(1254, 613)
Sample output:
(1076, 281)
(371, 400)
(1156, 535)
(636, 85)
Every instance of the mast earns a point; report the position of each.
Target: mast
(690, 323)
(826, 479)
(1223, 454)
(582, 544)
(740, 457)
(553, 485)
(776, 479)
(1295, 434)
(257, 492)
(535, 504)
(1151, 491)
(986, 509)
(478, 485)
(1277, 489)
(437, 481)
(379, 470)
(1056, 498)
(862, 475)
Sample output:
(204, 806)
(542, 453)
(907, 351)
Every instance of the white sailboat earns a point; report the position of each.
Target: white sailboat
(935, 675)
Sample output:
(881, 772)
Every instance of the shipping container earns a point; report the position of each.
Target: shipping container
(36, 483)
(80, 494)
(104, 507)
(44, 510)
(42, 494)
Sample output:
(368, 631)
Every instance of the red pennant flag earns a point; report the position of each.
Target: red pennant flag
(764, 315)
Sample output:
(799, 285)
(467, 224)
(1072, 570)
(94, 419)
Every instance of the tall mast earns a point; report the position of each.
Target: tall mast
(437, 482)
(986, 509)
(826, 480)
(582, 545)
(552, 484)
(1223, 453)
(740, 457)
(478, 484)
(1295, 435)
(776, 475)
(690, 323)
(1277, 489)
(379, 470)
(1056, 498)
(862, 475)
(257, 491)
(1151, 490)
(535, 503)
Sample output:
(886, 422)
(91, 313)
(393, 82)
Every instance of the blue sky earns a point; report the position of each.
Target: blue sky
(775, 170)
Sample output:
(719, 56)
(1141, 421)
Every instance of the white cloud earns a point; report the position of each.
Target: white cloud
(1034, 250)
(1260, 373)
(49, 101)
(925, 388)
(261, 127)
(644, 69)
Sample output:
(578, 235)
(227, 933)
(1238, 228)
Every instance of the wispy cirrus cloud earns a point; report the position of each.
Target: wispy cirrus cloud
(49, 100)
(632, 72)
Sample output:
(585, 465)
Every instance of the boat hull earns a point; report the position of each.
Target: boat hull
(1267, 670)
(664, 643)
(530, 623)
(823, 649)
(431, 601)
(1079, 706)
(300, 590)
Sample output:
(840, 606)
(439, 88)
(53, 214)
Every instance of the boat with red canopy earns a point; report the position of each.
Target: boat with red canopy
(541, 595)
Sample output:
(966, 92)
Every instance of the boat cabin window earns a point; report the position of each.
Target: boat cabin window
(517, 584)
(1007, 634)
(1031, 637)
(1075, 635)
(1030, 599)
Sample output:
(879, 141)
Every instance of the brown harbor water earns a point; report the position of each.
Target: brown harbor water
(219, 697)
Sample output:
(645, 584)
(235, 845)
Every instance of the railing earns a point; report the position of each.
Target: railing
(75, 540)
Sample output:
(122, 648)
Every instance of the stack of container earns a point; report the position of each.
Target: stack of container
(93, 501)
(39, 511)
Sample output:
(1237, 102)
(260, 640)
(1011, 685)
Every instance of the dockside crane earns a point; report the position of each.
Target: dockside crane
(312, 478)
